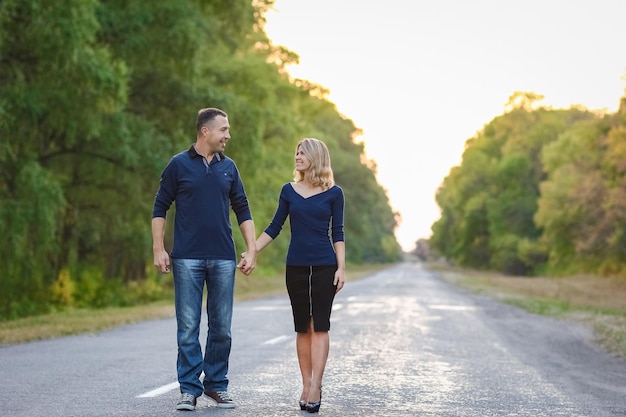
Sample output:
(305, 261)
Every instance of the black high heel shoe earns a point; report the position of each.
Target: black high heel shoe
(314, 407)
(303, 404)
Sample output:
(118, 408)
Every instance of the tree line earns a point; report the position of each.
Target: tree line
(95, 97)
(538, 191)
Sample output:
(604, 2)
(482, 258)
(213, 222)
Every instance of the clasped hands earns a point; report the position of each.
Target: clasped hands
(247, 262)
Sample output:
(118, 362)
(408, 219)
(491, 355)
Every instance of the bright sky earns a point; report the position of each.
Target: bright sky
(422, 77)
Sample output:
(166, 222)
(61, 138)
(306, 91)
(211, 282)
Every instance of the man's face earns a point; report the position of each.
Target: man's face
(216, 133)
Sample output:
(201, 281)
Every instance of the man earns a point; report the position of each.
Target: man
(203, 183)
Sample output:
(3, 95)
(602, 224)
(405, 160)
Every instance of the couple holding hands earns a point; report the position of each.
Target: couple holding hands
(204, 183)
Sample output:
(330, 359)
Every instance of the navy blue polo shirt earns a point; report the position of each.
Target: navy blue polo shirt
(203, 194)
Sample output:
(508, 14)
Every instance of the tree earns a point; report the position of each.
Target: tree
(582, 208)
(95, 97)
(489, 202)
(45, 126)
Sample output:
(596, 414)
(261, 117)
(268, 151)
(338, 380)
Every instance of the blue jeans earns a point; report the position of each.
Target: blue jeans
(190, 276)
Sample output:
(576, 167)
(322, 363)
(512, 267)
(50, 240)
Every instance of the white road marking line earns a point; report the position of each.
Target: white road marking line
(159, 391)
(169, 387)
(276, 340)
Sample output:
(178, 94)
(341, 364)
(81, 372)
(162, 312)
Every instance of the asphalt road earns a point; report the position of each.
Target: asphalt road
(403, 343)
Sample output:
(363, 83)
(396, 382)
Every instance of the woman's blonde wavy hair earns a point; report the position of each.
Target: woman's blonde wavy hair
(320, 173)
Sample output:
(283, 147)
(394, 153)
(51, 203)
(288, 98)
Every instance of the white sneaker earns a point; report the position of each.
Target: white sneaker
(187, 402)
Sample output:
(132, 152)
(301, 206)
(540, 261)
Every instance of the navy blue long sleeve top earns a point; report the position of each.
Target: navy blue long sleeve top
(203, 194)
(316, 223)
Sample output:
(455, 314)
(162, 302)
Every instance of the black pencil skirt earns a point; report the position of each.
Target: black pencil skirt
(311, 292)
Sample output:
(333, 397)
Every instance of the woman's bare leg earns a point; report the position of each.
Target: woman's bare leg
(320, 345)
(303, 349)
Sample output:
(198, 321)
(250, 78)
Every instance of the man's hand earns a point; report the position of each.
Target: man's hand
(247, 263)
(162, 261)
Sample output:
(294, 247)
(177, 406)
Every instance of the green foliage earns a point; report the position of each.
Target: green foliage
(586, 179)
(91, 289)
(96, 96)
(538, 190)
(62, 290)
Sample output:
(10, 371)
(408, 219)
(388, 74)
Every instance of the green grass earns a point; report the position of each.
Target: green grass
(75, 321)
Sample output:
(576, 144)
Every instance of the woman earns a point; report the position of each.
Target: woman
(315, 264)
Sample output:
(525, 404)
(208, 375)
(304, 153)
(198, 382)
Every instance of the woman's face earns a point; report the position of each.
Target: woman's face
(302, 162)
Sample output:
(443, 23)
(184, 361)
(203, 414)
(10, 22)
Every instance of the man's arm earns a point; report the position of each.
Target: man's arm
(248, 258)
(161, 257)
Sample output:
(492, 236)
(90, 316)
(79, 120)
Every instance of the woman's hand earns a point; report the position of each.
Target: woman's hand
(339, 280)
(247, 263)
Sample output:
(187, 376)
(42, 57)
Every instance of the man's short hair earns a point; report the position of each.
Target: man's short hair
(206, 115)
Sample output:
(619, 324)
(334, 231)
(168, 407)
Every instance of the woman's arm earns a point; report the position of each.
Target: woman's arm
(340, 274)
(263, 240)
(261, 243)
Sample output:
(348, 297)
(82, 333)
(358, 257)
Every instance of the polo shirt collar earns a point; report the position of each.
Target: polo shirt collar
(194, 154)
